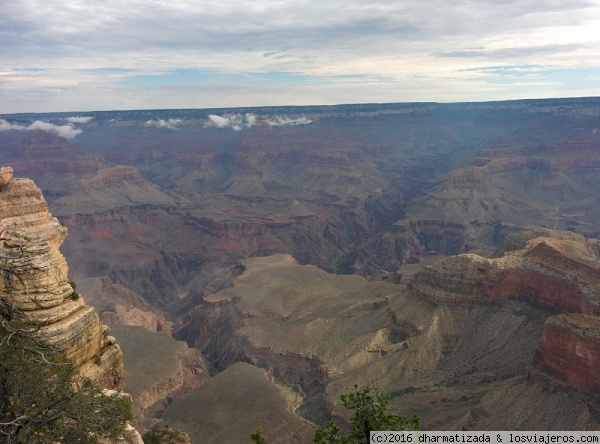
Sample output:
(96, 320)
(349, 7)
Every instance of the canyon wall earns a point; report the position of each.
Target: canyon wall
(35, 281)
(558, 272)
(570, 350)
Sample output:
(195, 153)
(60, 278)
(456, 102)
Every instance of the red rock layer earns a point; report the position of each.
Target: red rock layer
(570, 350)
(561, 275)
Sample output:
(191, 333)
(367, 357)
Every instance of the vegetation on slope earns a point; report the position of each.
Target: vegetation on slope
(369, 405)
(43, 400)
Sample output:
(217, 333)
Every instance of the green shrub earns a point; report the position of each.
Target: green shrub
(39, 401)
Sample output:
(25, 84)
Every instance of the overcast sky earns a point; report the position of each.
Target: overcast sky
(83, 55)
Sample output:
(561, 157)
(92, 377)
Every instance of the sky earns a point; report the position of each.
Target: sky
(86, 55)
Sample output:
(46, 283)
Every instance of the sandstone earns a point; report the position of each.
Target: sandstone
(471, 177)
(552, 270)
(559, 272)
(570, 350)
(38, 285)
(321, 334)
(44, 152)
(5, 176)
(117, 305)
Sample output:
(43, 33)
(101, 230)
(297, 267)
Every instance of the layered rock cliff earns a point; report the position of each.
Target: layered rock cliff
(453, 363)
(54, 163)
(556, 271)
(570, 350)
(59, 156)
(113, 187)
(38, 285)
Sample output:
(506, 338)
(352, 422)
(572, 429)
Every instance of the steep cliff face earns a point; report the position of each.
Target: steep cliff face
(559, 272)
(570, 350)
(39, 286)
(117, 305)
(556, 271)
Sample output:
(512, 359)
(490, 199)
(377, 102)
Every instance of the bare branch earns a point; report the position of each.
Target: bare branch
(13, 422)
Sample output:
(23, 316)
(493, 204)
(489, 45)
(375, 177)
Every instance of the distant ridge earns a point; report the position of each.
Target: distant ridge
(298, 109)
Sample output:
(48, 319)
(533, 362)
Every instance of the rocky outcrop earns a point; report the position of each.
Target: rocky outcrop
(158, 369)
(456, 280)
(118, 305)
(44, 152)
(35, 281)
(6, 174)
(111, 188)
(559, 272)
(570, 350)
(115, 176)
(556, 271)
(471, 177)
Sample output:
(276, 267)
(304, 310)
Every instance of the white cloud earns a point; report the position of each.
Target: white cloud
(233, 121)
(90, 55)
(66, 131)
(250, 119)
(79, 119)
(284, 121)
(161, 123)
(218, 121)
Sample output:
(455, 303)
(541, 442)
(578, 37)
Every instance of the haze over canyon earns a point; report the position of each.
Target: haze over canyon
(256, 263)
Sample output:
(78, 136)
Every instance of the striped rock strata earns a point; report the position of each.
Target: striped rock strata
(30, 238)
(556, 271)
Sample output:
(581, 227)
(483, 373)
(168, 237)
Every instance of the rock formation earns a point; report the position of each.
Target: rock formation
(370, 186)
(54, 163)
(38, 285)
(448, 357)
(34, 282)
(117, 305)
(570, 350)
(114, 187)
(553, 270)
(558, 271)
(6, 174)
(158, 369)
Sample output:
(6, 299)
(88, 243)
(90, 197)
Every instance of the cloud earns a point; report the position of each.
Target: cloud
(161, 123)
(239, 121)
(284, 121)
(250, 119)
(66, 131)
(218, 121)
(233, 121)
(224, 53)
(79, 119)
(513, 52)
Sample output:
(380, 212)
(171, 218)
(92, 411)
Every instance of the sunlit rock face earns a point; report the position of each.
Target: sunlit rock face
(40, 288)
(555, 270)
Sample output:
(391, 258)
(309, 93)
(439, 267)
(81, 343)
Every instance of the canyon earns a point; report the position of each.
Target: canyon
(446, 251)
